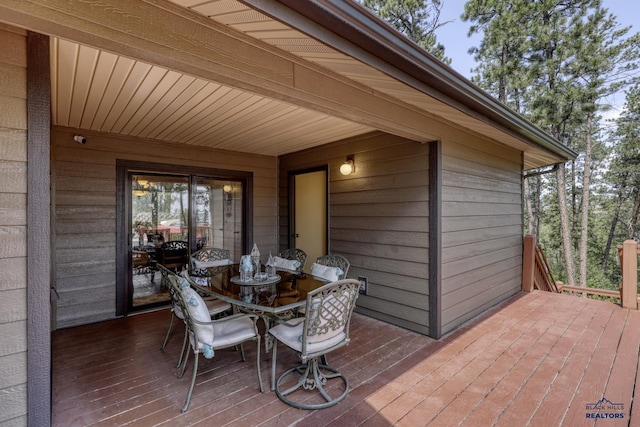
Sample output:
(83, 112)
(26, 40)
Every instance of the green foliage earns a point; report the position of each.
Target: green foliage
(624, 171)
(416, 19)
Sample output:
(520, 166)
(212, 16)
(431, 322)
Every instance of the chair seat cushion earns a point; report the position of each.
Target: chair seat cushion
(233, 330)
(290, 334)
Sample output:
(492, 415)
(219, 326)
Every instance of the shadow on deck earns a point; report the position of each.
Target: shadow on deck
(536, 359)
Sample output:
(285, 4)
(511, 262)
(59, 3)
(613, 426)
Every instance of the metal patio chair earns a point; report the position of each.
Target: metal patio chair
(287, 288)
(215, 307)
(206, 335)
(324, 328)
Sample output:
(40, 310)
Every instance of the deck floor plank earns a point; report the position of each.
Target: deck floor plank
(546, 363)
(534, 359)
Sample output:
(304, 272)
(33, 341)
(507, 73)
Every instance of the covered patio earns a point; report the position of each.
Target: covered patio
(536, 359)
(258, 93)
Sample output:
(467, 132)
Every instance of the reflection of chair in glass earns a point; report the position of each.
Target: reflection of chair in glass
(206, 335)
(174, 255)
(156, 240)
(201, 242)
(335, 261)
(215, 307)
(324, 328)
(153, 246)
(140, 261)
(287, 288)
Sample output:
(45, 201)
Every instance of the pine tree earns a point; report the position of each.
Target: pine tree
(624, 171)
(416, 19)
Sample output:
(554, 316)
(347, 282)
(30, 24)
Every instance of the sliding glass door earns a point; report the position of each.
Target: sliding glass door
(168, 216)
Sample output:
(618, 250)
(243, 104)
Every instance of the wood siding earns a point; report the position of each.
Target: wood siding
(84, 200)
(378, 219)
(13, 226)
(481, 228)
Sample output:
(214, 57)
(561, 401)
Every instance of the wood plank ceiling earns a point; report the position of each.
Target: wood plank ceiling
(102, 91)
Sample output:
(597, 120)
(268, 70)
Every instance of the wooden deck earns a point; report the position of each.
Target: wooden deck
(538, 359)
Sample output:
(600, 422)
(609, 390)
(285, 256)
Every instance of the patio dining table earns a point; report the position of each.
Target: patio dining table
(237, 299)
(258, 291)
(268, 311)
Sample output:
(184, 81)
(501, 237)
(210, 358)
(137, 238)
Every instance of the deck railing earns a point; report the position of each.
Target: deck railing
(537, 275)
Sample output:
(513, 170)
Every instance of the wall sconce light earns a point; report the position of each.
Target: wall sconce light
(227, 188)
(348, 167)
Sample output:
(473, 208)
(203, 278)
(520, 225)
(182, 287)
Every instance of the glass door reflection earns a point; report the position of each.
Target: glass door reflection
(218, 214)
(160, 234)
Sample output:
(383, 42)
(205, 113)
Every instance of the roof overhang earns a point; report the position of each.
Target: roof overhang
(272, 76)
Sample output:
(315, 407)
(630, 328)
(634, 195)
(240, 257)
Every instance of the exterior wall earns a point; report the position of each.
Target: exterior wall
(13, 226)
(378, 219)
(84, 213)
(482, 227)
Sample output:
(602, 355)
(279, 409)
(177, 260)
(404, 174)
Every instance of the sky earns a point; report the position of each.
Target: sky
(454, 35)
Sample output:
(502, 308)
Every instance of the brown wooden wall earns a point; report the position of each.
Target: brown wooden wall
(84, 211)
(482, 227)
(13, 226)
(378, 219)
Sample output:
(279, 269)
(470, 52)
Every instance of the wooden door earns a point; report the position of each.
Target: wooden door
(310, 214)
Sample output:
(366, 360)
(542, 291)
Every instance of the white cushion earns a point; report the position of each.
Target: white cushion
(232, 331)
(178, 312)
(286, 264)
(206, 264)
(292, 336)
(330, 274)
(200, 312)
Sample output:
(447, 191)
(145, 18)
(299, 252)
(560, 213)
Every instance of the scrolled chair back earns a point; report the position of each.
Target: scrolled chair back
(208, 262)
(328, 313)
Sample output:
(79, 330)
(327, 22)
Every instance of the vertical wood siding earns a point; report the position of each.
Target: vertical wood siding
(84, 200)
(13, 226)
(481, 228)
(378, 219)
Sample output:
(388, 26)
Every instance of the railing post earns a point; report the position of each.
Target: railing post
(630, 274)
(528, 262)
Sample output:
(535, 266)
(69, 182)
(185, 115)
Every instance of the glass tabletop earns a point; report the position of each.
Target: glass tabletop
(237, 300)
